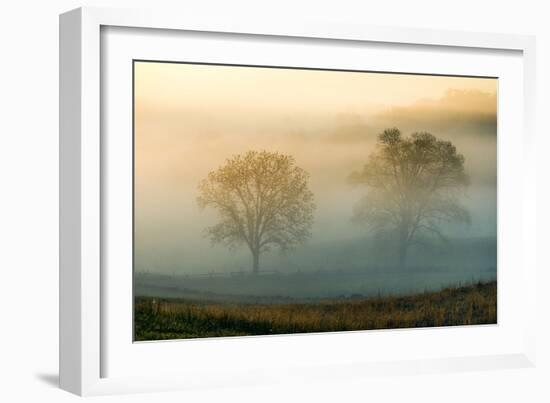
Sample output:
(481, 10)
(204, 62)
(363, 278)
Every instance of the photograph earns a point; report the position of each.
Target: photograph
(273, 200)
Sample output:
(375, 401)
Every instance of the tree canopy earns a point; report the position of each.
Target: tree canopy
(413, 184)
(263, 201)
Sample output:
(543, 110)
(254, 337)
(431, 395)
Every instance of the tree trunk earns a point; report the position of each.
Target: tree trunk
(255, 261)
(403, 246)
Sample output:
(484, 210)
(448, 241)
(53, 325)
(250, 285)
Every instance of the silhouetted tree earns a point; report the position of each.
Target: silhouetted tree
(412, 185)
(263, 201)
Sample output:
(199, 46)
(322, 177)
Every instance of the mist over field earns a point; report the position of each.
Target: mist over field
(190, 119)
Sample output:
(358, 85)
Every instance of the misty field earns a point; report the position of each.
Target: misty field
(163, 319)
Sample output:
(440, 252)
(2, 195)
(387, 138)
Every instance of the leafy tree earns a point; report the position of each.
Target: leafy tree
(413, 186)
(263, 201)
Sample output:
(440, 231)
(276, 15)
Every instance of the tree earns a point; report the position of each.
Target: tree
(413, 186)
(263, 201)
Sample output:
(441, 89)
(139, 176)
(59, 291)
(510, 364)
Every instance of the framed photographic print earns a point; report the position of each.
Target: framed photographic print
(271, 200)
(237, 198)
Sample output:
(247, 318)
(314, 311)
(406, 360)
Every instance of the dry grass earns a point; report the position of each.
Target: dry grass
(179, 319)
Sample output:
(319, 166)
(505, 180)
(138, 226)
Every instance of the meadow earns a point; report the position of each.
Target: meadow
(171, 318)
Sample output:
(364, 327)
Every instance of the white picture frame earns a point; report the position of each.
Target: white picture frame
(85, 345)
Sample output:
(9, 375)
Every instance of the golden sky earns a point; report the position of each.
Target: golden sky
(272, 90)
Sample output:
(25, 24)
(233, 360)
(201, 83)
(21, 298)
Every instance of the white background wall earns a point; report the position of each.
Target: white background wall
(29, 201)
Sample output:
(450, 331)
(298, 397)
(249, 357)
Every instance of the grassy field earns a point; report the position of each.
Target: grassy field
(163, 319)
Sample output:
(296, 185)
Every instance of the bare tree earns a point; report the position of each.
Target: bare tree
(263, 201)
(413, 185)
